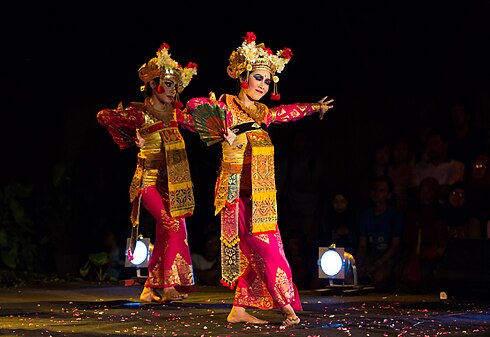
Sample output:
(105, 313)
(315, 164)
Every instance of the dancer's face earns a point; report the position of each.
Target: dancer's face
(168, 86)
(259, 82)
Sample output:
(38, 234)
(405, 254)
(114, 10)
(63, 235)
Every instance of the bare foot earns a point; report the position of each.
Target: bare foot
(289, 321)
(239, 315)
(289, 315)
(170, 294)
(150, 295)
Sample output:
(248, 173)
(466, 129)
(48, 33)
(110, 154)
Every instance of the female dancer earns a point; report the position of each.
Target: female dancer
(252, 252)
(162, 181)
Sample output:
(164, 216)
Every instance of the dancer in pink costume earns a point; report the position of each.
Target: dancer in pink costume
(252, 254)
(162, 181)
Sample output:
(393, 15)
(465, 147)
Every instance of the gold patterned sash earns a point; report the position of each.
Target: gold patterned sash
(181, 196)
(264, 204)
(180, 193)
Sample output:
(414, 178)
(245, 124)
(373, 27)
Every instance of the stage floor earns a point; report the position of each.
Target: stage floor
(101, 309)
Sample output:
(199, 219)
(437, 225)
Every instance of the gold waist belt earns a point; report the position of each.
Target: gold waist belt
(150, 163)
(231, 168)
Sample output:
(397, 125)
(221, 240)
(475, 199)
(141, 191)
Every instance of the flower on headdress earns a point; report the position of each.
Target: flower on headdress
(187, 73)
(251, 55)
(164, 60)
(250, 37)
(286, 53)
(164, 46)
(164, 65)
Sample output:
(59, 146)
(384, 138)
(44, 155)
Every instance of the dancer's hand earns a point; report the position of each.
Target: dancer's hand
(228, 135)
(140, 141)
(324, 106)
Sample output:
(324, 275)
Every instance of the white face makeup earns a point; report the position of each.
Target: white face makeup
(169, 86)
(259, 82)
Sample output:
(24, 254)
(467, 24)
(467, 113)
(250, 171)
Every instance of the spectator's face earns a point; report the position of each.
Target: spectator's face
(382, 156)
(212, 246)
(457, 197)
(479, 168)
(458, 115)
(339, 203)
(427, 195)
(401, 152)
(380, 192)
(436, 147)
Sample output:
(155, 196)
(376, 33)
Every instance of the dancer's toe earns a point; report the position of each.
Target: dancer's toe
(170, 294)
(149, 295)
(293, 320)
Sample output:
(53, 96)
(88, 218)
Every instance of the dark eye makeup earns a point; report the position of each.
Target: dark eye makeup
(169, 84)
(259, 78)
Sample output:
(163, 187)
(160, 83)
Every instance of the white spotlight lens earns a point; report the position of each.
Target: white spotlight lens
(140, 253)
(331, 262)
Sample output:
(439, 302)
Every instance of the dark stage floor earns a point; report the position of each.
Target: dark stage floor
(101, 309)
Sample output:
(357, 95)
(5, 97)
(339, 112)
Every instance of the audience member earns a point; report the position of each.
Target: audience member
(479, 188)
(107, 264)
(438, 164)
(206, 262)
(301, 263)
(420, 154)
(338, 222)
(378, 166)
(465, 140)
(488, 229)
(301, 188)
(380, 227)
(424, 238)
(457, 215)
(400, 170)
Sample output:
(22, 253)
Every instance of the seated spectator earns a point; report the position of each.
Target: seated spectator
(379, 162)
(400, 170)
(466, 140)
(206, 263)
(438, 164)
(424, 239)
(479, 188)
(380, 227)
(457, 215)
(337, 222)
(296, 250)
(299, 188)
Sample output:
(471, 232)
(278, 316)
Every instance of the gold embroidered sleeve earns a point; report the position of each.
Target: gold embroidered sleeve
(292, 112)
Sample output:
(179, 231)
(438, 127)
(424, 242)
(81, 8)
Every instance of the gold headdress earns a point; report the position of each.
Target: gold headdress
(163, 67)
(251, 56)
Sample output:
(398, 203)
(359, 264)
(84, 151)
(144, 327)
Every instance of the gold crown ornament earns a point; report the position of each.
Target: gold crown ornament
(164, 67)
(251, 56)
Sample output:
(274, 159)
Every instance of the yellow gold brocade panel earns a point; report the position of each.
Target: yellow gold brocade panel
(230, 249)
(181, 273)
(181, 197)
(264, 204)
(283, 286)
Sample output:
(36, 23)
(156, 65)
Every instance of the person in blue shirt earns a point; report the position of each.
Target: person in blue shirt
(380, 227)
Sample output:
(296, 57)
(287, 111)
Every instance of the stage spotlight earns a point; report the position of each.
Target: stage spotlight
(331, 262)
(339, 267)
(142, 251)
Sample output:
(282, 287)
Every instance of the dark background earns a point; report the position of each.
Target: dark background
(391, 68)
